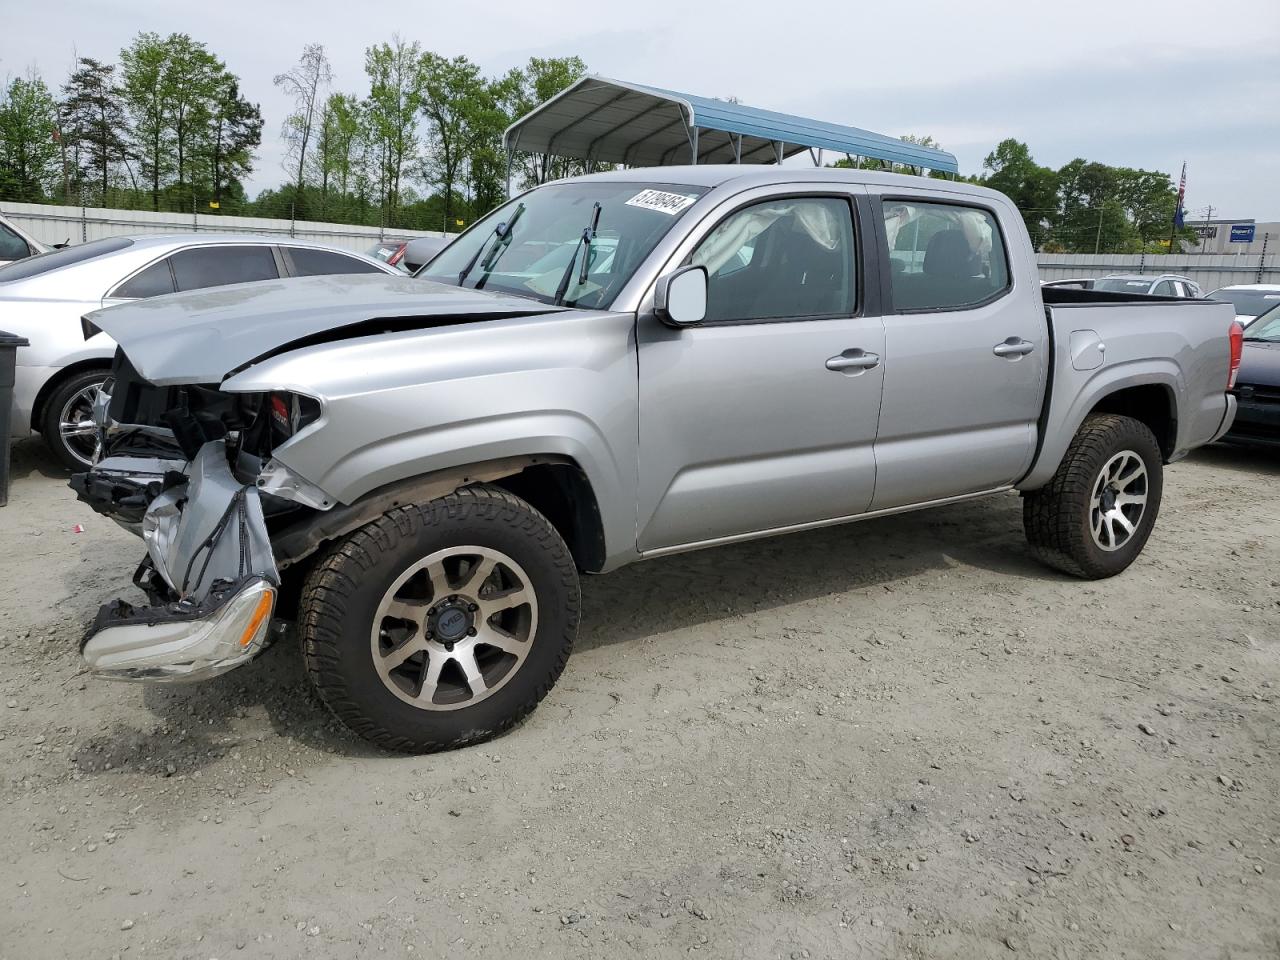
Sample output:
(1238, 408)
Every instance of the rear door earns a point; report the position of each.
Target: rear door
(968, 344)
(764, 416)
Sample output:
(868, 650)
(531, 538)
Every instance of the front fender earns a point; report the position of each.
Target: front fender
(407, 405)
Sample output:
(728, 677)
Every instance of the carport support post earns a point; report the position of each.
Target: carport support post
(511, 153)
(777, 152)
(693, 144)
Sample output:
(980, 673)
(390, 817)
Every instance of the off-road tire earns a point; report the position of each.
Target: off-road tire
(50, 416)
(342, 592)
(1056, 517)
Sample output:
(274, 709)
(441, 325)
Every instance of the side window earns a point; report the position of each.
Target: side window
(214, 266)
(309, 262)
(781, 259)
(943, 256)
(12, 246)
(154, 281)
(1165, 289)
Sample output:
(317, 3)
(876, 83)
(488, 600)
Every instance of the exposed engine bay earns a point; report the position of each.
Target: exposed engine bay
(189, 469)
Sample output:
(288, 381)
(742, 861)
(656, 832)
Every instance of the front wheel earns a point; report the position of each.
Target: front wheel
(440, 625)
(67, 425)
(1094, 517)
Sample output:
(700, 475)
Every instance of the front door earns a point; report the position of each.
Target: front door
(969, 343)
(764, 416)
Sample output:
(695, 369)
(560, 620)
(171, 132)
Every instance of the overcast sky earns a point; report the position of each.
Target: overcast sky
(1143, 83)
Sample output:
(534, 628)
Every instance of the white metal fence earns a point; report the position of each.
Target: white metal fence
(55, 224)
(1210, 270)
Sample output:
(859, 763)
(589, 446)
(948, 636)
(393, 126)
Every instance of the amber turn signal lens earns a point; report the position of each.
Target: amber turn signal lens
(260, 613)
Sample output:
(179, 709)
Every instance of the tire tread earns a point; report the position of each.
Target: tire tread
(1051, 515)
(330, 585)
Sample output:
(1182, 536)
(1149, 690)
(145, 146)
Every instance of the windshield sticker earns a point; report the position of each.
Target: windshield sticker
(662, 202)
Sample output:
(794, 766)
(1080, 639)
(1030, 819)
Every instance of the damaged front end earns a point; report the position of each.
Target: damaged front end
(200, 490)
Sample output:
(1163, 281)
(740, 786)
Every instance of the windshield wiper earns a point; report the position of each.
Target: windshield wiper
(588, 234)
(501, 232)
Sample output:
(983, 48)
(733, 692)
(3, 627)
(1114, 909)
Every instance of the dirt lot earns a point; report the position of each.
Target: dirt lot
(899, 738)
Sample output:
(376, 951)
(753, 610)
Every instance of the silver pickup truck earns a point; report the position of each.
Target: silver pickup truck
(603, 370)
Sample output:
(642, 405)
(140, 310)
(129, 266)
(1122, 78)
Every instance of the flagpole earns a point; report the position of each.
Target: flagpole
(1177, 209)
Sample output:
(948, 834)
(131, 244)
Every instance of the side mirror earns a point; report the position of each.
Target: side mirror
(680, 298)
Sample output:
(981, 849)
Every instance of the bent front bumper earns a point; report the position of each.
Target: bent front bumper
(182, 641)
(209, 572)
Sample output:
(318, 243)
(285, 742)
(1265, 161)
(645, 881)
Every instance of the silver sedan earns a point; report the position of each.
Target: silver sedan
(43, 298)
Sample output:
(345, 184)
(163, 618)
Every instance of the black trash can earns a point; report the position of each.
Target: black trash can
(9, 345)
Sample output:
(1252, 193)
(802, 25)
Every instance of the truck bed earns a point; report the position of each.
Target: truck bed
(1108, 342)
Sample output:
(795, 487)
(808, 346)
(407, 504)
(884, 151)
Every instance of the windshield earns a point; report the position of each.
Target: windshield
(542, 241)
(1266, 327)
(1123, 284)
(1248, 303)
(53, 260)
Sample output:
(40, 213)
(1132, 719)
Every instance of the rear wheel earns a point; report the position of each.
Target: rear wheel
(440, 625)
(67, 424)
(1094, 517)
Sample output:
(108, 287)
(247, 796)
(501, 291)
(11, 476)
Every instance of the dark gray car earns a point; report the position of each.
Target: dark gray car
(1258, 384)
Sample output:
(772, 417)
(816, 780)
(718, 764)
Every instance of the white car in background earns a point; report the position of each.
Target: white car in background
(1249, 299)
(17, 244)
(43, 298)
(1164, 285)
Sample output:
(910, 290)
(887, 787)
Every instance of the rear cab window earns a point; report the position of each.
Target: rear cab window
(943, 256)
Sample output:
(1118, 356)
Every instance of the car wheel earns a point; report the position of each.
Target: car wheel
(1094, 517)
(67, 423)
(441, 624)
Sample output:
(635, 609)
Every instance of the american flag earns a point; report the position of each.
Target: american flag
(1182, 192)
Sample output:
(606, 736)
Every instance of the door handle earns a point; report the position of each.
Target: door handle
(1013, 347)
(854, 360)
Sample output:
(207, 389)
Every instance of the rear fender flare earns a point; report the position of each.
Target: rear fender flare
(1060, 426)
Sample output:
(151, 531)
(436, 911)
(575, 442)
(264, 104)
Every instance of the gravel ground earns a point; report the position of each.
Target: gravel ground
(895, 739)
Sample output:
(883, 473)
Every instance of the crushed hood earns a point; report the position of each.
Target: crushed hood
(202, 336)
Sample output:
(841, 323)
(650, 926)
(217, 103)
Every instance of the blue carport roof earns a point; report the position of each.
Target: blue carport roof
(611, 121)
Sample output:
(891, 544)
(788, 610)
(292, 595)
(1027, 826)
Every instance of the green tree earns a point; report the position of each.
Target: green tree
(191, 81)
(1091, 216)
(143, 66)
(537, 82)
(305, 83)
(235, 131)
(455, 102)
(93, 119)
(28, 139)
(1033, 188)
(888, 166)
(339, 146)
(391, 111)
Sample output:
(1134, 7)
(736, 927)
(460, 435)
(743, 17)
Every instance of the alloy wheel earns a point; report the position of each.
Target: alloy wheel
(76, 428)
(454, 628)
(1119, 500)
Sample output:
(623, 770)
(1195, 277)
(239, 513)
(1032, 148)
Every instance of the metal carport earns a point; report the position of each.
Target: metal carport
(599, 120)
